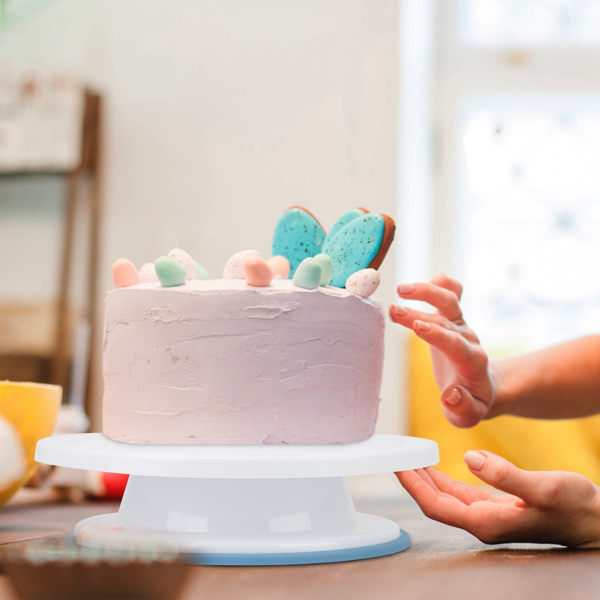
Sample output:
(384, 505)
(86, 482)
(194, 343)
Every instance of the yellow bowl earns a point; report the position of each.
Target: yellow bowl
(32, 408)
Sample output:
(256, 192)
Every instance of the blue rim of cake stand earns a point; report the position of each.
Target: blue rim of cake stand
(402, 542)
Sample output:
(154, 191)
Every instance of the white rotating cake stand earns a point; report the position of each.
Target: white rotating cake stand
(242, 505)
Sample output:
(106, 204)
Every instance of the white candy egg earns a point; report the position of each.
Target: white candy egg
(148, 273)
(363, 283)
(234, 269)
(186, 260)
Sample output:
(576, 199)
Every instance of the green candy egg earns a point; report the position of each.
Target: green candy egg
(170, 272)
(326, 267)
(200, 271)
(308, 274)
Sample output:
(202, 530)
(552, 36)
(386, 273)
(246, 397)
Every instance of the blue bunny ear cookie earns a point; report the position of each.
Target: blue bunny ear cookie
(361, 244)
(298, 235)
(344, 219)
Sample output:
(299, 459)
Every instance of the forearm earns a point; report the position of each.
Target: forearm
(559, 382)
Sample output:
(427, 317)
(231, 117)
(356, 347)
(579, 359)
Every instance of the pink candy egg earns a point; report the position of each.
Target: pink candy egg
(280, 266)
(363, 283)
(124, 273)
(186, 260)
(234, 269)
(257, 272)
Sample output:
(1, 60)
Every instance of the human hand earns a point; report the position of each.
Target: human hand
(460, 364)
(551, 507)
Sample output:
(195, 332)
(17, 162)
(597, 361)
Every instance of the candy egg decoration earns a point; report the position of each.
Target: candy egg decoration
(148, 273)
(298, 235)
(257, 271)
(326, 268)
(170, 272)
(201, 272)
(344, 219)
(280, 266)
(124, 273)
(308, 274)
(186, 260)
(234, 269)
(362, 243)
(364, 282)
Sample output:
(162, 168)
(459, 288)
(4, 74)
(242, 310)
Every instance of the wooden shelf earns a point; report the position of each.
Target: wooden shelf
(50, 354)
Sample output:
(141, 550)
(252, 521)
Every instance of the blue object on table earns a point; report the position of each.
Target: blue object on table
(402, 542)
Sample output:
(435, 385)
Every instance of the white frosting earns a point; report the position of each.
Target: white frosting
(220, 362)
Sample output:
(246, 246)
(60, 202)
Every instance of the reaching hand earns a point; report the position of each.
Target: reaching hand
(460, 364)
(553, 507)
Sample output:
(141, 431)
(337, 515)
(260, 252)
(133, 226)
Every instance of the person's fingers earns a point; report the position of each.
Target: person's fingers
(449, 284)
(434, 504)
(407, 316)
(461, 408)
(444, 300)
(461, 352)
(465, 493)
(537, 488)
(426, 477)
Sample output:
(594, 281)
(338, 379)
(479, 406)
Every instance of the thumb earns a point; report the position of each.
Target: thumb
(461, 408)
(496, 471)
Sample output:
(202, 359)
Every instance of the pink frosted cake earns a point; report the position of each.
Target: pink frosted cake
(253, 358)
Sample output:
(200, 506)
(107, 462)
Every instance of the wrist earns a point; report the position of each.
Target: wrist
(503, 398)
(591, 524)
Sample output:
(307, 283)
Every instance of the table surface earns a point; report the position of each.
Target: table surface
(443, 562)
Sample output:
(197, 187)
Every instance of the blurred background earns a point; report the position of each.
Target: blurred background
(128, 128)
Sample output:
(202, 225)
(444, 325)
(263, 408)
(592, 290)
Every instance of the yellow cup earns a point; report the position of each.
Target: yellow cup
(32, 408)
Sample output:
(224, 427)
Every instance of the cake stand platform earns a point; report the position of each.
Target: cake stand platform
(242, 505)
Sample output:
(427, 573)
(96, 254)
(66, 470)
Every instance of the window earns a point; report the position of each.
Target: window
(518, 111)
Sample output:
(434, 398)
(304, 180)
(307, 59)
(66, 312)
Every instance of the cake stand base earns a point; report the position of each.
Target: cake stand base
(103, 532)
(245, 505)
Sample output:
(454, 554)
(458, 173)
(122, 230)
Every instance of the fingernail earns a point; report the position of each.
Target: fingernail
(400, 310)
(475, 460)
(422, 326)
(406, 288)
(454, 397)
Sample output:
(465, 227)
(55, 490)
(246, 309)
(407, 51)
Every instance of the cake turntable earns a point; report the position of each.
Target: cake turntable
(242, 505)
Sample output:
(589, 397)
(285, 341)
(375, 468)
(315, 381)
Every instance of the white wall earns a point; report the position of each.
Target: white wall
(220, 115)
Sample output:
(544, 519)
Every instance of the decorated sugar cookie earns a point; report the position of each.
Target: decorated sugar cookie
(360, 244)
(344, 219)
(170, 272)
(234, 269)
(298, 235)
(308, 274)
(363, 283)
(124, 273)
(257, 272)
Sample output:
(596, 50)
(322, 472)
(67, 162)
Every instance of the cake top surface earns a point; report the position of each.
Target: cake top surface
(224, 286)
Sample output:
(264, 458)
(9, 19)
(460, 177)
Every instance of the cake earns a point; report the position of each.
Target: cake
(253, 358)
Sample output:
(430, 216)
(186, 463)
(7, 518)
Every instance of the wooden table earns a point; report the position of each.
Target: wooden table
(443, 563)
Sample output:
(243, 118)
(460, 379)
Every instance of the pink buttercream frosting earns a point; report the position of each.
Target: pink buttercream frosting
(220, 362)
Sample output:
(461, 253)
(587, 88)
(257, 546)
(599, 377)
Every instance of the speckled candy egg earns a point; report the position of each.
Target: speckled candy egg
(363, 283)
(181, 256)
(234, 269)
(148, 273)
